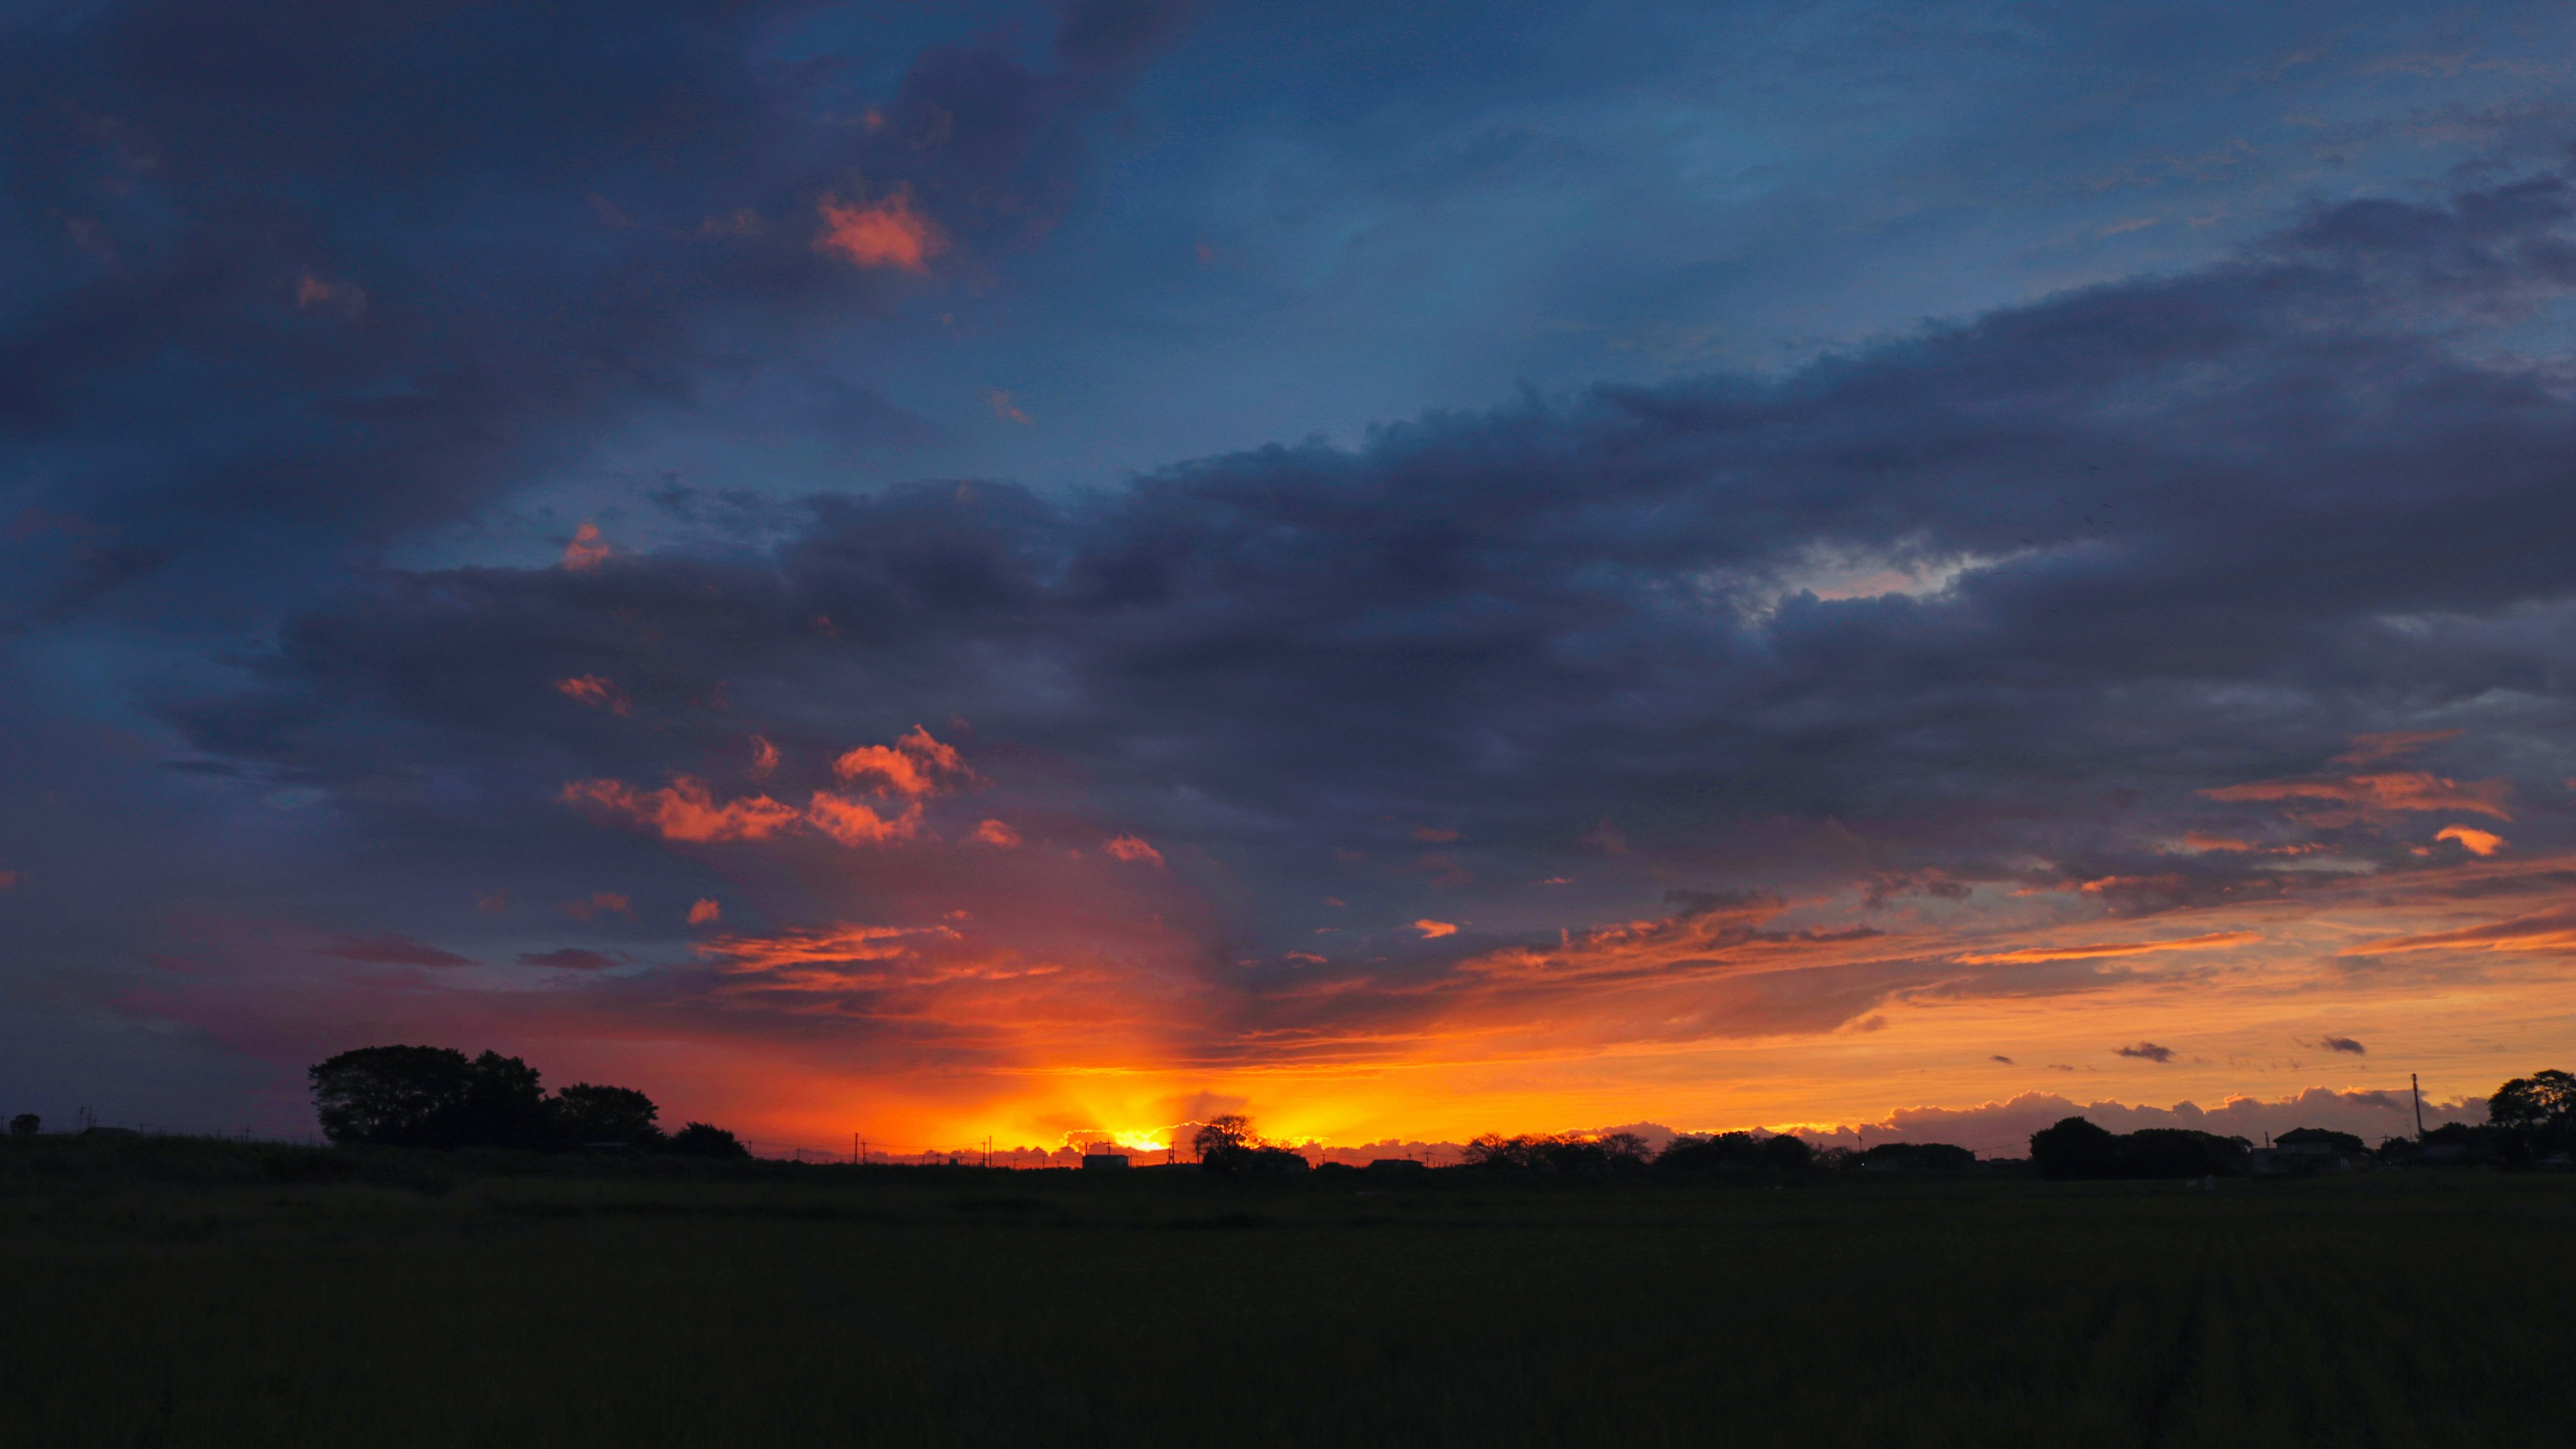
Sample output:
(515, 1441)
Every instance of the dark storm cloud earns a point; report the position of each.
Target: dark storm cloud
(2203, 529)
(325, 271)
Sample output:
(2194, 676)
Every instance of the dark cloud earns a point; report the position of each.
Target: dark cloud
(389, 951)
(321, 273)
(2334, 1043)
(569, 958)
(2146, 1051)
(2098, 539)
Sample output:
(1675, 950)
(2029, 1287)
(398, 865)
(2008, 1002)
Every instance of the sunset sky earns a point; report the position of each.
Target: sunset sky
(1048, 570)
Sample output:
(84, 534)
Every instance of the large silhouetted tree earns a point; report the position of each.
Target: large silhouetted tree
(417, 1096)
(1228, 1147)
(396, 1096)
(2073, 1148)
(586, 1114)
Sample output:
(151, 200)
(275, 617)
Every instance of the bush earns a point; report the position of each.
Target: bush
(2076, 1148)
(26, 1124)
(700, 1140)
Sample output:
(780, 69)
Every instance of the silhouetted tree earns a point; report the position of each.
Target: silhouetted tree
(2073, 1148)
(2076, 1148)
(586, 1114)
(26, 1124)
(2180, 1152)
(505, 1106)
(417, 1096)
(1228, 1147)
(401, 1096)
(1917, 1157)
(700, 1140)
(1219, 1135)
(2534, 1116)
(1786, 1152)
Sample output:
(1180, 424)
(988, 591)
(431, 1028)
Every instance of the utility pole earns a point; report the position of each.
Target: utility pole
(988, 1154)
(2415, 1085)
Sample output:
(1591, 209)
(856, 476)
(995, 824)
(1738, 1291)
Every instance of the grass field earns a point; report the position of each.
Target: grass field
(179, 1293)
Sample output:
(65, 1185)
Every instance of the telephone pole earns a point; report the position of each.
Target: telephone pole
(2415, 1084)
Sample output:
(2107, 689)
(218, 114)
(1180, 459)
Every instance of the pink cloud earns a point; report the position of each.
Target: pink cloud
(597, 691)
(1434, 930)
(764, 758)
(1132, 849)
(885, 233)
(587, 549)
(994, 832)
(705, 913)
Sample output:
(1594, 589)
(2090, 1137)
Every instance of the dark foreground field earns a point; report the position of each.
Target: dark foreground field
(178, 1293)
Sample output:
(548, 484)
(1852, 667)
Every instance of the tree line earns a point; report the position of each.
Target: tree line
(421, 1096)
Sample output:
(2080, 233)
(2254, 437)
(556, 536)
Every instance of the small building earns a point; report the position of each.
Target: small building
(1104, 1161)
(1392, 1166)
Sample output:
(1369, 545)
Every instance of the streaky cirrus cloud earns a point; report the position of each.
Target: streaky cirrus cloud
(2098, 950)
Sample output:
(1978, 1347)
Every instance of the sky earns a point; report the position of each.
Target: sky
(1046, 571)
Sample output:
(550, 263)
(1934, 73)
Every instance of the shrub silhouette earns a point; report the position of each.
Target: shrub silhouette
(2076, 1148)
(1917, 1157)
(1725, 1152)
(700, 1140)
(26, 1124)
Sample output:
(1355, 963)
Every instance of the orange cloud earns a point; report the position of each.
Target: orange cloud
(994, 832)
(2095, 951)
(914, 765)
(1005, 409)
(886, 233)
(1434, 835)
(764, 757)
(597, 691)
(2474, 841)
(1133, 850)
(8, 880)
(2399, 791)
(2393, 744)
(2199, 841)
(821, 945)
(852, 822)
(1434, 930)
(586, 550)
(705, 913)
(2550, 930)
(685, 810)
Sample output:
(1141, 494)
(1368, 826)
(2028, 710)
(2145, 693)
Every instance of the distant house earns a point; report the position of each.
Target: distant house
(1390, 1166)
(2312, 1149)
(1104, 1161)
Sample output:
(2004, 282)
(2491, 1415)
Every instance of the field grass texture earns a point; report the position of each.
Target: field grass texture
(183, 1293)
